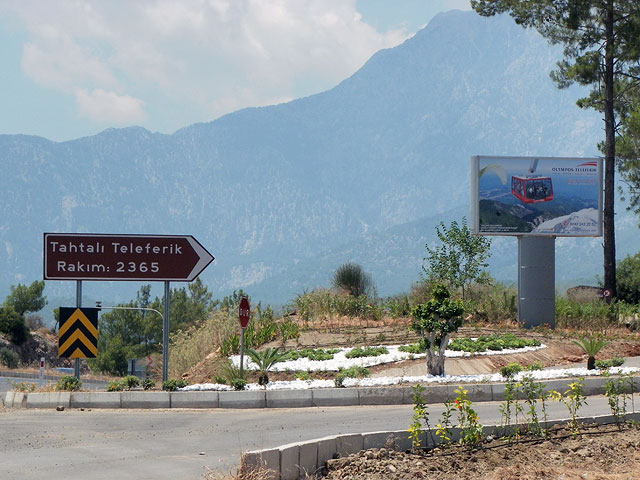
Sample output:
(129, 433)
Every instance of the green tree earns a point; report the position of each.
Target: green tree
(460, 258)
(13, 325)
(628, 149)
(628, 273)
(435, 321)
(354, 280)
(27, 298)
(601, 40)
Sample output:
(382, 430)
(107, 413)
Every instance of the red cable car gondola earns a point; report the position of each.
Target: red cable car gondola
(532, 189)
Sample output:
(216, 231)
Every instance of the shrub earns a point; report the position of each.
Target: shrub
(131, 381)
(9, 358)
(359, 352)
(116, 385)
(238, 384)
(535, 366)
(511, 370)
(12, 324)
(351, 278)
(351, 372)
(612, 362)
(172, 385)
(23, 386)
(68, 384)
(148, 384)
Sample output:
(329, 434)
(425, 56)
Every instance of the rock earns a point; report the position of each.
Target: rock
(60, 408)
(392, 469)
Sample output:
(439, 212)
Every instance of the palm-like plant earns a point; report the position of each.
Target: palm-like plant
(591, 346)
(265, 359)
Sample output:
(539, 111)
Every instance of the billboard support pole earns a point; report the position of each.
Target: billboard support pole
(76, 365)
(165, 333)
(536, 281)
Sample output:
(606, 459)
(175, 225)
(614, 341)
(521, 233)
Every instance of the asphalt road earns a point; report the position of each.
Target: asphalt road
(182, 444)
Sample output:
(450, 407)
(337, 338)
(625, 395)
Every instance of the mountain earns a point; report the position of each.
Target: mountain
(282, 195)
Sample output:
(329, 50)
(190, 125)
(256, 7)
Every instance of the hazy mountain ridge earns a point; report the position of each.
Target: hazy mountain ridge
(282, 195)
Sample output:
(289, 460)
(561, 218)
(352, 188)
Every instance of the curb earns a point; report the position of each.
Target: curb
(297, 460)
(323, 397)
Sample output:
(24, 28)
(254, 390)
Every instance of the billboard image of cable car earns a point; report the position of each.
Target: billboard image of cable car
(532, 189)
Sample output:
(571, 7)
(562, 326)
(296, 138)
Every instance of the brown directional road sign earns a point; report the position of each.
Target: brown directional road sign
(80, 256)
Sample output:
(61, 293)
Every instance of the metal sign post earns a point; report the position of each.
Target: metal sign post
(165, 333)
(76, 365)
(244, 313)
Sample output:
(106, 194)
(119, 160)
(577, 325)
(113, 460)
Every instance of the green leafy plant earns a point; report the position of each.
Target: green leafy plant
(288, 330)
(614, 390)
(265, 360)
(312, 354)
(116, 385)
(509, 407)
(351, 372)
(172, 385)
(511, 370)
(359, 352)
(219, 379)
(612, 362)
(23, 386)
(533, 393)
(68, 383)
(234, 375)
(9, 358)
(573, 399)
(444, 429)
(131, 381)
(468, 421)
(535, 366)
(591, 346)
(494, 342)
(420, 418)
(460, 257)
(148, 384)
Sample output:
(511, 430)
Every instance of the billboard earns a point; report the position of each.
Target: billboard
(548, 196)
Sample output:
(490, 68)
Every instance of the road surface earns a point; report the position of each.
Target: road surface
(182, 444)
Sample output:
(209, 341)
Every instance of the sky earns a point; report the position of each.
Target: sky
(72, 68)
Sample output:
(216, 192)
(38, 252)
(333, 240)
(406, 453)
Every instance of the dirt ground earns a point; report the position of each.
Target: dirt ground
(602, 453)
(560, 351)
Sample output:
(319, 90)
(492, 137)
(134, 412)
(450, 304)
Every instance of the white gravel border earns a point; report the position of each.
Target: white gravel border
(423, 379)
(340, 360)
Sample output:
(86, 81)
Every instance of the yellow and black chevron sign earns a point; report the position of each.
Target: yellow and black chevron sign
(78, 333)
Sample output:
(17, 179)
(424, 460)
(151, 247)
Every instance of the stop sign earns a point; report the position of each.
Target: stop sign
(244, 312)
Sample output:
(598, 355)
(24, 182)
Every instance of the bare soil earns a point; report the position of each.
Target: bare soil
(598, 453)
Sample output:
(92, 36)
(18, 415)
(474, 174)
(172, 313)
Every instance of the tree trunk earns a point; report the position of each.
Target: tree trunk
(435, 356)
(610, 156)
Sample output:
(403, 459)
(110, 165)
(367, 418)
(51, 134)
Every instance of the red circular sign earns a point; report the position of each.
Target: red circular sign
(244, 312)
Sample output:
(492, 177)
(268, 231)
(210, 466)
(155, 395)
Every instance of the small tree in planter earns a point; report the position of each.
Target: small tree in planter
(435, 321)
